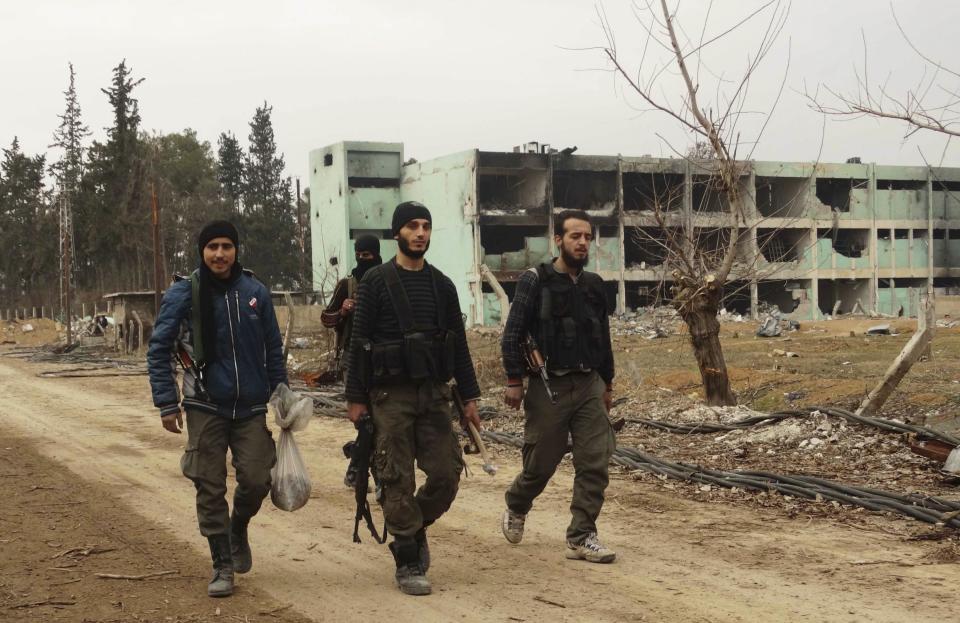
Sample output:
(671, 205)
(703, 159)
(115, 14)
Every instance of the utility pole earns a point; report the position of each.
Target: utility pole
(157, 265)
(66, 262)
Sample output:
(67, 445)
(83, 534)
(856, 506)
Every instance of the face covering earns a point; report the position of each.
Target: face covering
(364, 265)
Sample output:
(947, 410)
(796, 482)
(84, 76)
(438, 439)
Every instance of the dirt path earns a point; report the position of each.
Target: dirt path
(679, 560)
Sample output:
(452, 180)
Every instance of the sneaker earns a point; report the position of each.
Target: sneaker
(512, 525)
(591, 550)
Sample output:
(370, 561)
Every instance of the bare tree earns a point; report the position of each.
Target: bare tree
(701, 260)
(931, 104)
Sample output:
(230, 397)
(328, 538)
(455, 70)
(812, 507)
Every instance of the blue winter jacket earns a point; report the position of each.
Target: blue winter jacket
(250, 362)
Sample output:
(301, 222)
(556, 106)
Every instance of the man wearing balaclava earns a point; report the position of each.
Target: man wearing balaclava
(408, 342)
(220, 323)
(338, 314)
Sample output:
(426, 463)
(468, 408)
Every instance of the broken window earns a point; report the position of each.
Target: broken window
(782, 196)
(786, 295)
(783, 245)
(736, 297)
(849, 242)
(841, 296)
(514, 247)
(652, 191)
(593, 191)
(645, 294)
(836, 192)
(505, 190)
(645, 247)
(707, 196)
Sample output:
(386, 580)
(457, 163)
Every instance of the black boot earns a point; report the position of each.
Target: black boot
(221, 585)
(410, 575)
(423, 549)
(239, 544)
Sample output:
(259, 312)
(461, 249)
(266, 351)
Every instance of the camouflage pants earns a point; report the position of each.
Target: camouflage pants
(579, 412)
(413, 424)
(205, 463)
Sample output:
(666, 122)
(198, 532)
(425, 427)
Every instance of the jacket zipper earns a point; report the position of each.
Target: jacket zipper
(233, 345)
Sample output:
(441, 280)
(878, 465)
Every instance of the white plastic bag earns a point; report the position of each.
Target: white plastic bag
(291, 483)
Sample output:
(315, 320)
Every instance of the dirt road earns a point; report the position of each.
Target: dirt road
(679, 560)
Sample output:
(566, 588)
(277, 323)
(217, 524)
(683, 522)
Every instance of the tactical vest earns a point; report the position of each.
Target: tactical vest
(570, 320)
(424, 352)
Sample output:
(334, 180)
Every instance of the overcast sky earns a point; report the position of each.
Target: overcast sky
(443, 76)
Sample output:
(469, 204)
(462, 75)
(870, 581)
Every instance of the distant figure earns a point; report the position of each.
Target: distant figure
(221, 320)
(563, 307)
(339, 313)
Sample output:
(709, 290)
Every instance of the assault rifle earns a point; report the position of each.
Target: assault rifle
(477, 441)
(360, 458)
(189, 365)
(537, 365)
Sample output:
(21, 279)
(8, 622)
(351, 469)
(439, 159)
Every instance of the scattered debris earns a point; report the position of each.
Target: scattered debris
(880, 329)
(145, 576)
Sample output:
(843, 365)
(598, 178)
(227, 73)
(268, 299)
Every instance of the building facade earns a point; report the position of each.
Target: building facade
(818, 239)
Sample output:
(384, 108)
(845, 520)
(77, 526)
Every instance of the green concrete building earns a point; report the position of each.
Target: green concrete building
(819, 239)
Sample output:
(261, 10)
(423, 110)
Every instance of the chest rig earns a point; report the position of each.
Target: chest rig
(570, 319)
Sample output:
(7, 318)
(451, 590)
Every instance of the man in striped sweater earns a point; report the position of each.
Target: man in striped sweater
(408, 342)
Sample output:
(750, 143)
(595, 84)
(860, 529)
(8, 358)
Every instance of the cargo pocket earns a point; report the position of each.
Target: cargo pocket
(190, 461)
(385, 463)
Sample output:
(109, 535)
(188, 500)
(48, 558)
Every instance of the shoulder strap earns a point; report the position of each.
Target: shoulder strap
(196, 325)
(398, 297)
(439, 297)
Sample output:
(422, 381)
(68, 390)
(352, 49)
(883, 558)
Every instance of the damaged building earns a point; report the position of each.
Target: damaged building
(819, 239)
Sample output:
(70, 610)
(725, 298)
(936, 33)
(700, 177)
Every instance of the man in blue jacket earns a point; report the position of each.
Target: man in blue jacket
(223, 320)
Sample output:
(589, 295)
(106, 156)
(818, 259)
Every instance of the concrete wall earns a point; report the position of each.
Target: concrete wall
(802, 207)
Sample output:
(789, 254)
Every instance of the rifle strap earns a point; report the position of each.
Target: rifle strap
(363, 512)
(195, 319)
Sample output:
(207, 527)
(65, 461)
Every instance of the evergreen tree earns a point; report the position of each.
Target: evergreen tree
(230, 159)
(269, 217)
(24, 219)
(111, 219)
(69, 137)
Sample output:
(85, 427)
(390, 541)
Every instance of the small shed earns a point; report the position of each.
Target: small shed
(133, 315)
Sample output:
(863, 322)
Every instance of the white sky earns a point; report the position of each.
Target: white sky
(443, 76)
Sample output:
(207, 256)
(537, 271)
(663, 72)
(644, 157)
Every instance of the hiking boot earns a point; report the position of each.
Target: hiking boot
(410, 575)
(591, 550)
(423, 549)
(512, 525)
(221, 584)
(240, 545)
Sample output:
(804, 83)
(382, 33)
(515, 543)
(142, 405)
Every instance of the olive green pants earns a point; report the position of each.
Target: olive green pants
(413, 424)
(205, 463)
(581, 413)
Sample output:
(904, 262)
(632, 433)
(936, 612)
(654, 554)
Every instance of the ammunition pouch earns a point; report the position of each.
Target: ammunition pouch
(417, 357)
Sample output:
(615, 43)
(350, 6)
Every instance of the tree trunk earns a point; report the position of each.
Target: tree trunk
(699, 312)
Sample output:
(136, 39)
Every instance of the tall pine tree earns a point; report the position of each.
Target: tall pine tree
(25, 219)
(230, 169)
(112, 219)
(269, 214)
(69, 137)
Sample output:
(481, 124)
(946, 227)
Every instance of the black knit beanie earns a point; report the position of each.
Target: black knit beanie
(406, 212)
(217, 229)
(367, 242)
